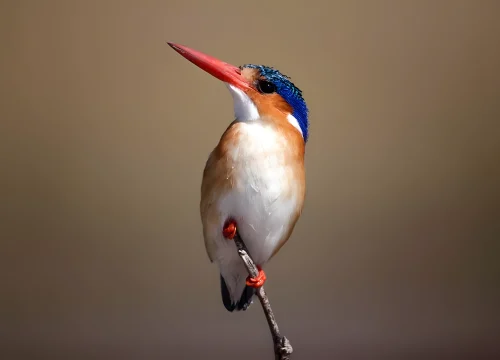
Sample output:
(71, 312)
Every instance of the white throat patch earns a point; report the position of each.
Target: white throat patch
(293, 120)
(244, 108)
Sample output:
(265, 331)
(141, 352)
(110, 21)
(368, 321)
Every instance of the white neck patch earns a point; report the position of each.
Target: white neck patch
(293, 120)
(244, 108)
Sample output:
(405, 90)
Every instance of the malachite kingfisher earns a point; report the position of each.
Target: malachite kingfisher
(254, 179)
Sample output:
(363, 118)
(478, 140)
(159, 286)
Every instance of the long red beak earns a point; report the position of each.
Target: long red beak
(221, 70)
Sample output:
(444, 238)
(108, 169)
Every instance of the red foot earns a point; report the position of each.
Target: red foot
(258, 281)
(229, 230)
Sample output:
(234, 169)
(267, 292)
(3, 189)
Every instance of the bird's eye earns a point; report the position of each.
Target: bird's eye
(266, 87)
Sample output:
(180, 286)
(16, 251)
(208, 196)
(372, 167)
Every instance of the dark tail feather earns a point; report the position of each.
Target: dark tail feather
(245, 299)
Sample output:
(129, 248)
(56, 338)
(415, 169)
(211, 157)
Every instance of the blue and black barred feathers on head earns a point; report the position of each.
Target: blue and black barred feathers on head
(289, 92)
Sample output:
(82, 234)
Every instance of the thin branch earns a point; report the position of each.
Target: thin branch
(282, 347)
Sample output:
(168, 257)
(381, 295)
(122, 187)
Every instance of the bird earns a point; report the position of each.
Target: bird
(253, 182)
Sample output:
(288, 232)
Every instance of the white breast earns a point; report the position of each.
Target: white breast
(262, 201)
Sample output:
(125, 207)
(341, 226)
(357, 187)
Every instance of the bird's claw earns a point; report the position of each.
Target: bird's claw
(258, 281)
(229, 230)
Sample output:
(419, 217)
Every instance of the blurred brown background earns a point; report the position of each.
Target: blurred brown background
(104, 135)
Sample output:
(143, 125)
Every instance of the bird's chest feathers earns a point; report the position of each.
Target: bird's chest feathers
(259, 162)
(265, 184)
(260, 179)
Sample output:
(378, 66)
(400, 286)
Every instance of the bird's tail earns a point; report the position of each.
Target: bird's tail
(244, 302)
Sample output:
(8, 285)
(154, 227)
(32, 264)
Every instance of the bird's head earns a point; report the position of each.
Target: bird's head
(258, 91)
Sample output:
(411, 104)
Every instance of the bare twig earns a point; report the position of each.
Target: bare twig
(282, 347)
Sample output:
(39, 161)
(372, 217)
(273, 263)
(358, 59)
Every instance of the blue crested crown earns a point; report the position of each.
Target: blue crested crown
(289, 92)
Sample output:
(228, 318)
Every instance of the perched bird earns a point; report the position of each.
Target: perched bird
(254, 180)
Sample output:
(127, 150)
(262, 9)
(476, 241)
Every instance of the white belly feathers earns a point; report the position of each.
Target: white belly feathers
(263, 198)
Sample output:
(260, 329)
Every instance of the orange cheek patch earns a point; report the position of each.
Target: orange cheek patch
(272, 105)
